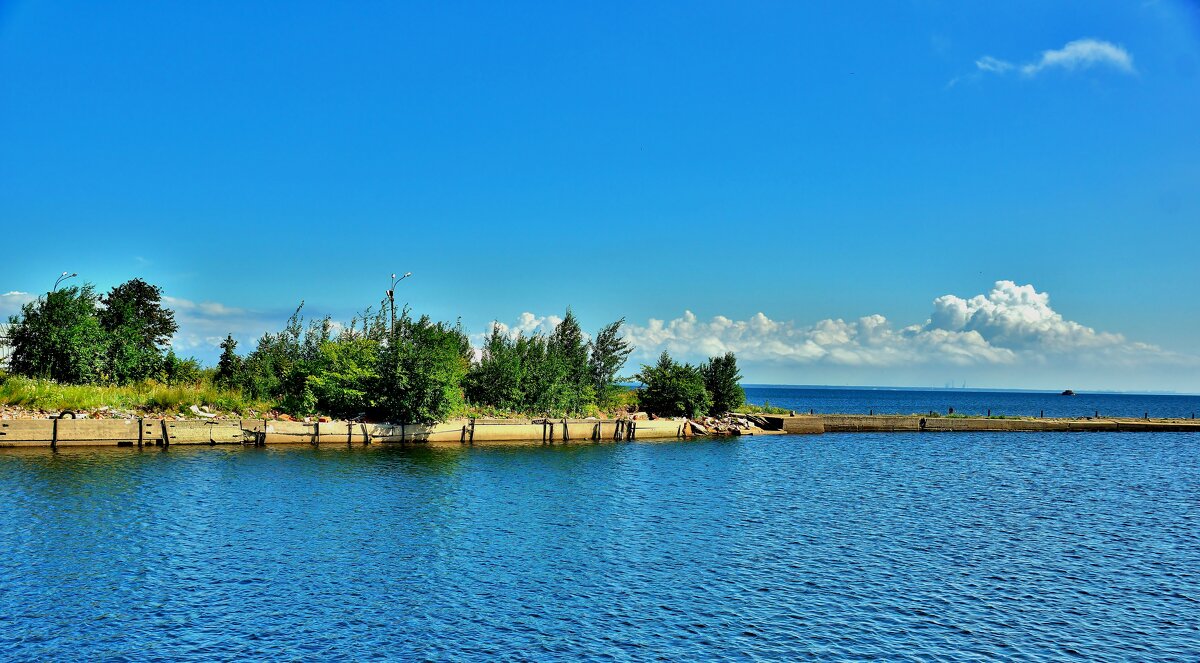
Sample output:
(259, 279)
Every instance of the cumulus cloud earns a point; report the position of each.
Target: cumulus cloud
(1075, 55)
(1011, 324)
(527, 324)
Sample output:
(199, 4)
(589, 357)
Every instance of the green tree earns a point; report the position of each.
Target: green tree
(229, 366)
(567, 365)
(608, 353)
(722, 380)
(138, 305)
(344, 376)
(138, 327)
(498, 378)
(180, 371)
(673, 389)
(421, 371)
(58, 337)
(273, 360)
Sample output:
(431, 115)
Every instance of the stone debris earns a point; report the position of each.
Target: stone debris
(201, 412)
(727, 424)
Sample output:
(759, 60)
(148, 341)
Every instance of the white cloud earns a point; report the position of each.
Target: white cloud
(1082, 54)
(203, 325)
(527, 324)
(1011, 325)
(1075, 55)
(989, 63)
(11, 302)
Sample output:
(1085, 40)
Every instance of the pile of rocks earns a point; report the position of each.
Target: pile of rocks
(728, 424)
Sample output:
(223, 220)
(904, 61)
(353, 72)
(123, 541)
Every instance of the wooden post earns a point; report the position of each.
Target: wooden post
(166, 434)
(54, 434)
(366, 435)
(471, 437)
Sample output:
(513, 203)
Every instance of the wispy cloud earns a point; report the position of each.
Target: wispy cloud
(1075, 55)
(989, 63)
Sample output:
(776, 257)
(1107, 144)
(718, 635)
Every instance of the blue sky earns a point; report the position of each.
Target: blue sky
(801, 164)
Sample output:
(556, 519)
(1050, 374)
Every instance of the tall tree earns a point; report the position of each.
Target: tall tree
(138, 328)
(608, 354)
(229, 366)
(138, 305)
(722, 380)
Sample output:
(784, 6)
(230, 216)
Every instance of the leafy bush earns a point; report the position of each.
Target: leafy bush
(58, 337)
(73, 336)
(673, 389)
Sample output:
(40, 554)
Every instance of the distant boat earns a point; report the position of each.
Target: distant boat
(1068, 393)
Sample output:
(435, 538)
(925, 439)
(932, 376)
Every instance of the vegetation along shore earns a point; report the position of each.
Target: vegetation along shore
(86, 354)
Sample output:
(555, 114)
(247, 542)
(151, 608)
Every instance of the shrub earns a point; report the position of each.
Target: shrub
(673, 389)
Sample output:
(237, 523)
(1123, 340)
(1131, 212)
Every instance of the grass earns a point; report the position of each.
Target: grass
(149, 397)
(765, 408)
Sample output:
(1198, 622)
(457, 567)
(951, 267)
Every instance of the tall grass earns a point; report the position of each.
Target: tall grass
(148, 396)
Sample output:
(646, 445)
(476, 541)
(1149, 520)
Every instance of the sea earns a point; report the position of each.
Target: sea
(888, 400)
(855, 546)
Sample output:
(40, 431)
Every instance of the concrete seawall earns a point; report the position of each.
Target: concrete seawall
(164, 432)
(847, 423)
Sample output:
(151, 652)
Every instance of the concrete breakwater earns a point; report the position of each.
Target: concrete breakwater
(846, 423)
(165, 432)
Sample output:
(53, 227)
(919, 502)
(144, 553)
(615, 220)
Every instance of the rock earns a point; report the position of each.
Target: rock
(285, 417)
(324, 420)
(196, 411)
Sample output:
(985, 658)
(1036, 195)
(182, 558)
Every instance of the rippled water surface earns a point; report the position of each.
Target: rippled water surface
(1034, 546)
(858, 400)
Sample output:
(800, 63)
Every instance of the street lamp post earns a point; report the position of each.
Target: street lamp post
(391, 295)
(62, 277)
